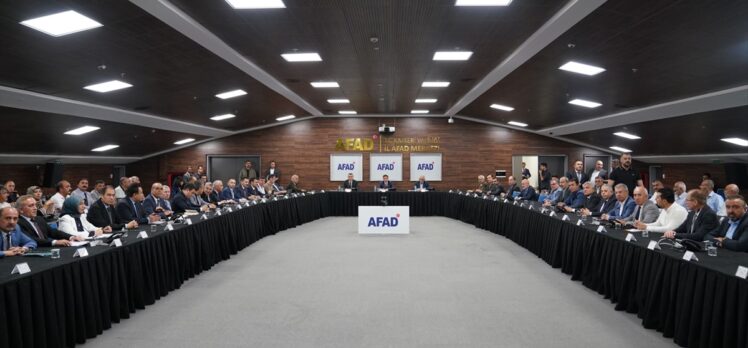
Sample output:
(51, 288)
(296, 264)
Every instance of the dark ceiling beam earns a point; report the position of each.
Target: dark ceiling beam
(724, 99)
(22, 99)
(181, 22)
(573, 12)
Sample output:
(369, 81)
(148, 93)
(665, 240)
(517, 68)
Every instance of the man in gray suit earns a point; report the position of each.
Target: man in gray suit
(645, 211)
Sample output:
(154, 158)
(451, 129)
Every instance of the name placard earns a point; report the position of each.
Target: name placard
(383, 220)
(630, 238)
(81, 252)
(142, 235)
(653, 245)
(170, 226)
(23, 268)
(601, 229)
(116, 243)
(742, 272)
(690, 256)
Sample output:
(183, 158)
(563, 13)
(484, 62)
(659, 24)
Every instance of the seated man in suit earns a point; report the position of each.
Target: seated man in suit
(103, 212)
(554, 193)
(216, 194)
(576, 197)
(526, 192)
(252, 192)
(607, 203)
(645, 211)
(482, 185)
(154, 203)
(230, 194)
(132, 207)
(386, 184)
(577, 173)
(293, 186)
(700, 220)
(556, 196)
(732, 234)
(421, 184)
(244, 188)
(260, 187)
(350, 183)
(590, 199)
(36, 228)
(624, 204)
(671, 216)
(166, 196)
(182, 201)
(511, 186)
(13, 242)
(272, 187)
(495, 188)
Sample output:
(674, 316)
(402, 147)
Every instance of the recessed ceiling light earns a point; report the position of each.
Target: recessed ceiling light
(338, 101)
(620, 149)
(325, 84)
(627, 135)
(256, 4)
(452, 55)
(736, 141)
(301, 57)
(284, 118)
(435, 84)
(108, 86)
(105, 148)
(518, 124)
(501, 107)
(419, 111)
(347, 112)
(62, 23)
(585, 103)
(231, 94)
(222, 117)
(482, 2)
(425, 101)
(82, 130)
(580, 68)
(184, 141)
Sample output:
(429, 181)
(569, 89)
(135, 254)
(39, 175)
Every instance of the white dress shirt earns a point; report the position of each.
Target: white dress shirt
(59, 200)
(594, 175)
(669, 219)
(67, 224)
(119, 192)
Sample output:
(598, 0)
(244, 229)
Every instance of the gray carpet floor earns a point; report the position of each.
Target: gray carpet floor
(447, 284)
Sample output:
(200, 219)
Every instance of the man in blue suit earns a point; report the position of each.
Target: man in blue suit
(131, 208)
(421, 184)
(624, 204)
(386, 183)
(13, 241)
(732, 233)
(154, 203)
(526, 192)
(576, 197)
(230, 193)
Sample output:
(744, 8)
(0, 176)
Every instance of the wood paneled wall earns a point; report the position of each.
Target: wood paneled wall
(304, 148)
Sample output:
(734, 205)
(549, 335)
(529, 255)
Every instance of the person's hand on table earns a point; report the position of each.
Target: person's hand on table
(719, 241)
(132, 224)
(14, 251)
(669, 234)
(98, 232)
(585, 211)
(640, 225)
(604, 217)
(107, 229)
(77, 238)
(61, 242)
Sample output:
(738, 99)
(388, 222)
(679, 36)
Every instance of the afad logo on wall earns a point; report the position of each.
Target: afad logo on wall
(426, 166)
(347, 166)
(383, 221)
(386, 166)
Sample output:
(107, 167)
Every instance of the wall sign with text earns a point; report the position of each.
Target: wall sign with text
(386, 163)
(426, 164)
(343, 163)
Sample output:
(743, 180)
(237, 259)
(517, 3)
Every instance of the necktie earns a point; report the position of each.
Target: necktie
(350, 184)
(638, 212)
(602, 206)
(36, 228)
(232, 193)
(6, 241)
(693, 221)
(136, 209)
(108, 213)
(85, 198)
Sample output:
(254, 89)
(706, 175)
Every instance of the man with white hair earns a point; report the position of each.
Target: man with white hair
(216, 193)
(680, 193)
(645, 211)
(713, 200)
(13, 242)
(671, 216)
(732, 190)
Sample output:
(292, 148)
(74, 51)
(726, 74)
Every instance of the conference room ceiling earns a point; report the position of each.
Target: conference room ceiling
(380, 51)
(43, 133)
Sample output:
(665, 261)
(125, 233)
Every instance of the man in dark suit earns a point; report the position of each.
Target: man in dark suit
(243, 188)
(607, 202)
(511, 186)
(293, 186)
(36, 228)
(577, 173)
(700, 221)
(273, 170)
(576, 197)
(230, 193)
(251, 191)
(181, 201)
(103, 212)
(421, 184)
(386, 184)
(154, 203)
(495, 188)
(132, 207)
(590, 199)
(526, 192)
(732, 234)
(350, 183)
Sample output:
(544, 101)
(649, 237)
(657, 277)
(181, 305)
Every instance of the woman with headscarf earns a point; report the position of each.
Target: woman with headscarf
(42, 209)
(73, 220)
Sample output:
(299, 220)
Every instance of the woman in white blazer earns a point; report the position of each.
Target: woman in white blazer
(73, 220)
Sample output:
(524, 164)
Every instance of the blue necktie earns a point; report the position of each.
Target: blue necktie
(136, 209)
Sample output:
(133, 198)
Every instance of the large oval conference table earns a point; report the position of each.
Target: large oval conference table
(63, 302)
